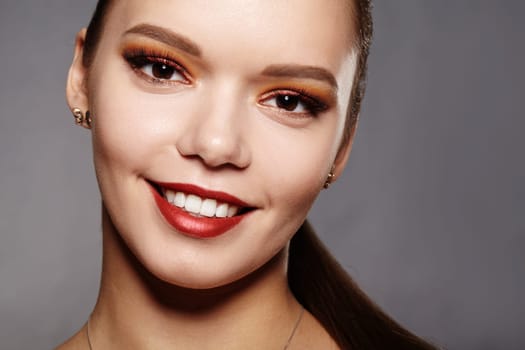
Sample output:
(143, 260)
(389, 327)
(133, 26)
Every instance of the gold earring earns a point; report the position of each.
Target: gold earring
(81, 119)
(329, 178)
(88, 119)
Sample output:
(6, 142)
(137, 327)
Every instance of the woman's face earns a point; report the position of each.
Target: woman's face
(226, 104)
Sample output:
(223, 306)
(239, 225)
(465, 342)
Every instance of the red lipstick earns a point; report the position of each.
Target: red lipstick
(197, 226)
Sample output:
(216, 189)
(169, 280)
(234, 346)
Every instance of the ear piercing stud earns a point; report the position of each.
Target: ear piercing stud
(81, 118)
(329, 178)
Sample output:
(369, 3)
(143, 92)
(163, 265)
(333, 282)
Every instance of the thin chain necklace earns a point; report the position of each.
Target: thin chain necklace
(296, 325)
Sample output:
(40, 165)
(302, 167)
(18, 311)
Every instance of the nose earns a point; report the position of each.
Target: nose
(215, 131)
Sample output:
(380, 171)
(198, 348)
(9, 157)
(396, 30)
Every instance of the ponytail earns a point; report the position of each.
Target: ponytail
(324, 288)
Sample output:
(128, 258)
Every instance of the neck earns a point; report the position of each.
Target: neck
(139, 311)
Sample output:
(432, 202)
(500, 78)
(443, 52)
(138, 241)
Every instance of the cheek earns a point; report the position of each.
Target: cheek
(295, 162)
(130, 129)
(134, 130)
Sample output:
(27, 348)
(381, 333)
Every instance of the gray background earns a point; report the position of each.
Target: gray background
(428, 216)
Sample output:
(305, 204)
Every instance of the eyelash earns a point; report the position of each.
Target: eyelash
(140, 58)
(313, 106)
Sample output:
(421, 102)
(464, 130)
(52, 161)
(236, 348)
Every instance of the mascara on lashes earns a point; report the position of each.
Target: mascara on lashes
(139, 57)
(312, 105)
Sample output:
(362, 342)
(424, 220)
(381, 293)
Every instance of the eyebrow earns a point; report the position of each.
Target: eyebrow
(167, 37)
(180, 42)
(300, 71)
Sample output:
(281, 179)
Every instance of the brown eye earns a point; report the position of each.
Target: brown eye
(162, 71)
(158, 69)
(287, 102)
(293, 102)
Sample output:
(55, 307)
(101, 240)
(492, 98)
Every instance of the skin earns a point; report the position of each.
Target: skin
(215, 125)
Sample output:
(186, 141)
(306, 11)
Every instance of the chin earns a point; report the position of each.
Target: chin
(196, 279)
(181, 260)
(210, 272)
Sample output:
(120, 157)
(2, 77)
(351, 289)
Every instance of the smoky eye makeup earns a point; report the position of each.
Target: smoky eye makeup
(159, 67)
(156, 66)
(294, 102)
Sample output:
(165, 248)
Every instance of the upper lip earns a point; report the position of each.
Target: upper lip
(202, 192)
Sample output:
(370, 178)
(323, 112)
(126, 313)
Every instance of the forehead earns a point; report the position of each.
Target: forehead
(312, 31)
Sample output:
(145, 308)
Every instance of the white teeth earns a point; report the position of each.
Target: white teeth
(208, 207)
(202, 206)
(193, 204)
(170, 196)
(222, 210)
(232, 211)
(180, 199)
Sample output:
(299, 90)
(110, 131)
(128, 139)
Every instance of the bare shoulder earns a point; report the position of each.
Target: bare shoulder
(312, 335)
(76, 342)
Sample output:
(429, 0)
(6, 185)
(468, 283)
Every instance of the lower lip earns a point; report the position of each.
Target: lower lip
(200, 227)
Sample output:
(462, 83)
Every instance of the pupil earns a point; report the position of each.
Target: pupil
(287, 102)
(162, 71)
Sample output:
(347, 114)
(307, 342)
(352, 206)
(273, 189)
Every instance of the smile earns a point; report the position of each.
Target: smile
(194, 204)
(198, 212)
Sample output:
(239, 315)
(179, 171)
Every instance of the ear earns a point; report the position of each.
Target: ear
(76, 87)
(343, 154)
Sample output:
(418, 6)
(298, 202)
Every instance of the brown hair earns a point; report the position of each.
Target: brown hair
(317, 280)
